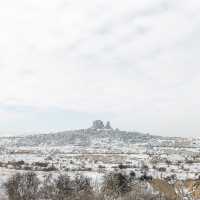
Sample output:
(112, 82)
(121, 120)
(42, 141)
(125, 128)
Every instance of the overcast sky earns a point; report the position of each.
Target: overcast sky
(64, 63)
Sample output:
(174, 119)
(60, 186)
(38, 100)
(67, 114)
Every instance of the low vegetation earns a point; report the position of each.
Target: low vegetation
(115, 186)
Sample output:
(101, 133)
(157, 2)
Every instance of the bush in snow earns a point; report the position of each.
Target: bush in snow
(23, 186)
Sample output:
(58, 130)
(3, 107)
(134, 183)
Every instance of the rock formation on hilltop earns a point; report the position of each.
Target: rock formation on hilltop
(108, 126)
(97, 124)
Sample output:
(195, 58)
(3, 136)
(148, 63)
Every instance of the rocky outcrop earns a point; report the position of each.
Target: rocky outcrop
(97, 124)
(108, 126)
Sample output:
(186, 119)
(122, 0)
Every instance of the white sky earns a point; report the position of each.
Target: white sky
(65, 63)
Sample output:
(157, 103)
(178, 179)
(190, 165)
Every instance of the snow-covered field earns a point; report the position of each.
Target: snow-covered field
(97, 152)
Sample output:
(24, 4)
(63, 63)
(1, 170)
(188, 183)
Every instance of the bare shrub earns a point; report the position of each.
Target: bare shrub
(40, 164)
(83, 189)
(23, 186)
(162, 169)
(122, 166)
(143, 195)
(48, 189)
(140, 191)
(115, 185)
(64, 188)
(145, 177)
(132, 176)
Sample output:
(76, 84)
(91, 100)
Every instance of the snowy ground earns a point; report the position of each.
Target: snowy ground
(159, 158)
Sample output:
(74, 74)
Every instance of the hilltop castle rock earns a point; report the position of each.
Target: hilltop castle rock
(98, 124)
(108, 126)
